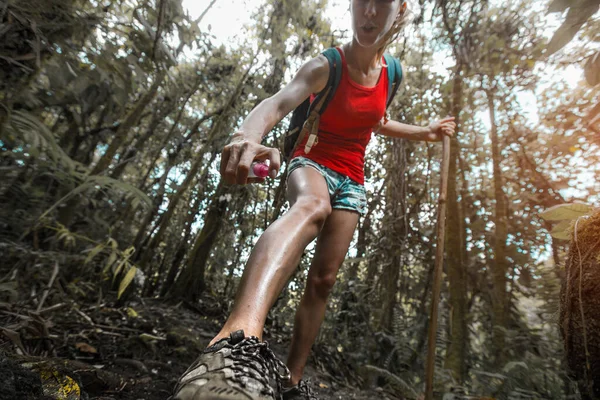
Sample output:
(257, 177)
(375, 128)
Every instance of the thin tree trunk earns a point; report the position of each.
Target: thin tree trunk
(154, 157)
(390, 279)
(228, 289)
(181, 247)
(361, 249)
(422, 311)
(456, 352)
(136, 147)
(151, 214)
(363, 230)
(123, 130)
(500, 298)
(192, 282)
(397, 217)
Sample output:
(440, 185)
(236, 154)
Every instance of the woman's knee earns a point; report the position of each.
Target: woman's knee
(321, 285)
(316, 207)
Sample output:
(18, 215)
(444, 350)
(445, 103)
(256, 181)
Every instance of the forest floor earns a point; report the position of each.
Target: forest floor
(99, 351)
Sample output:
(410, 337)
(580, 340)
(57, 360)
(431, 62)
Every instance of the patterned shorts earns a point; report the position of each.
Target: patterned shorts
(345, 194)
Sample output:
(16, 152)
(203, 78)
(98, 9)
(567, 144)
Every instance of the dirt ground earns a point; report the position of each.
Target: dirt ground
(136, 352)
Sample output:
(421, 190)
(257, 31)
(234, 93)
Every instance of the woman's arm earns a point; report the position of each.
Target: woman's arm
(245, 147)
(311, 78)
(431, 133)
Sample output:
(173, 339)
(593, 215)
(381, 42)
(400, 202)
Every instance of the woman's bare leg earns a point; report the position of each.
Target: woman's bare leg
(278, 251)
(332, 246)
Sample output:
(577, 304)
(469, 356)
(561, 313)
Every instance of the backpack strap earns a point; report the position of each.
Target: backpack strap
(322, 99)
(394, 70)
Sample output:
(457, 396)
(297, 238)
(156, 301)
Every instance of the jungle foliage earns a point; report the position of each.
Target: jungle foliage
(113, 115)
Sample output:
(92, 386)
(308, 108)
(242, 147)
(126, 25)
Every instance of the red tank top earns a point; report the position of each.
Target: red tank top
(346, 125)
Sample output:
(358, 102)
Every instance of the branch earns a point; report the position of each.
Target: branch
(205, 11)
(161, 12)
(449, 28)
(48, 287)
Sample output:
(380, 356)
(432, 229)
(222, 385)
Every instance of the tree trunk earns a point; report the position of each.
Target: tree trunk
(192, 173)
(390, 279)
(181, 247)
(192, 282)
(397, 227)
(151, 214)
(455, 235)
(361, 248)
(229, 286)
(500, 304)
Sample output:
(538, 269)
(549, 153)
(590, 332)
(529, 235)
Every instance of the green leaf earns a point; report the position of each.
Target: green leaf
(118, 269)
(562, 230)
(93, 253)
(126, 281)
(112, 243)
(566, 211)
(128, 252)
(111, 260)
(132, 313)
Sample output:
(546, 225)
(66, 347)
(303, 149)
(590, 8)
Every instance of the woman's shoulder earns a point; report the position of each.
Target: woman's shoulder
(318, 65)
(316, 72)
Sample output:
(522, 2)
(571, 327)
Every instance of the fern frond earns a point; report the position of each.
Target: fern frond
(37, 138)
(96, 182)
(130, 191)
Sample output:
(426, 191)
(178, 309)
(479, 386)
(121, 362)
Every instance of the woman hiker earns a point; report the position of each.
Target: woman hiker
(326, 195)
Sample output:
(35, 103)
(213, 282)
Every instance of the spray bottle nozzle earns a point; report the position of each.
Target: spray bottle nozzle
(259, 169)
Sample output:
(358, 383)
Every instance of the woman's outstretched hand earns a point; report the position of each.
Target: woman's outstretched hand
(439, 128)
(240, 153)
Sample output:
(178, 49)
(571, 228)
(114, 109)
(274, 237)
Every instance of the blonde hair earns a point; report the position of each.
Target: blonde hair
(408, 13)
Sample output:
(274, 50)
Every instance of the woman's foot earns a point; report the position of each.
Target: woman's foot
(234, 368)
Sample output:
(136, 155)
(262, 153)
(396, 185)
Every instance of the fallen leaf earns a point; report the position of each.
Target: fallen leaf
(85, 348)
(132, 313)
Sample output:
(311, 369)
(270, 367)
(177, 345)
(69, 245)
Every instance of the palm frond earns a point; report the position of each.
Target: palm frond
(102, 182)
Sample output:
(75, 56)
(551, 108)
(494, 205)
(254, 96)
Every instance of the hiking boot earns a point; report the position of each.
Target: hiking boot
(234, 368)
(301, 391)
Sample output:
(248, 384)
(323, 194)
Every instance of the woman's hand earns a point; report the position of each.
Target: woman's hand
(240, 153)
(444, 126)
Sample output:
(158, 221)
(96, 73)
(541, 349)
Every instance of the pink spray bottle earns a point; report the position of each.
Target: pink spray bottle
(259, 169)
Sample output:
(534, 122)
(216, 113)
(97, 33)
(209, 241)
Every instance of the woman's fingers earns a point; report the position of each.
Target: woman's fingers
(237, 159)
(275, 162)
(448, 126)
(224, 160)
(231, 164)
(244, 163)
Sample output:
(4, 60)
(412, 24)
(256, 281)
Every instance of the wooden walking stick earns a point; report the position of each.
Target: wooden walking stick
(438, 267)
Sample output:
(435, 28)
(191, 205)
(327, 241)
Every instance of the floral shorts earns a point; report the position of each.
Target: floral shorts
(345, 194)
